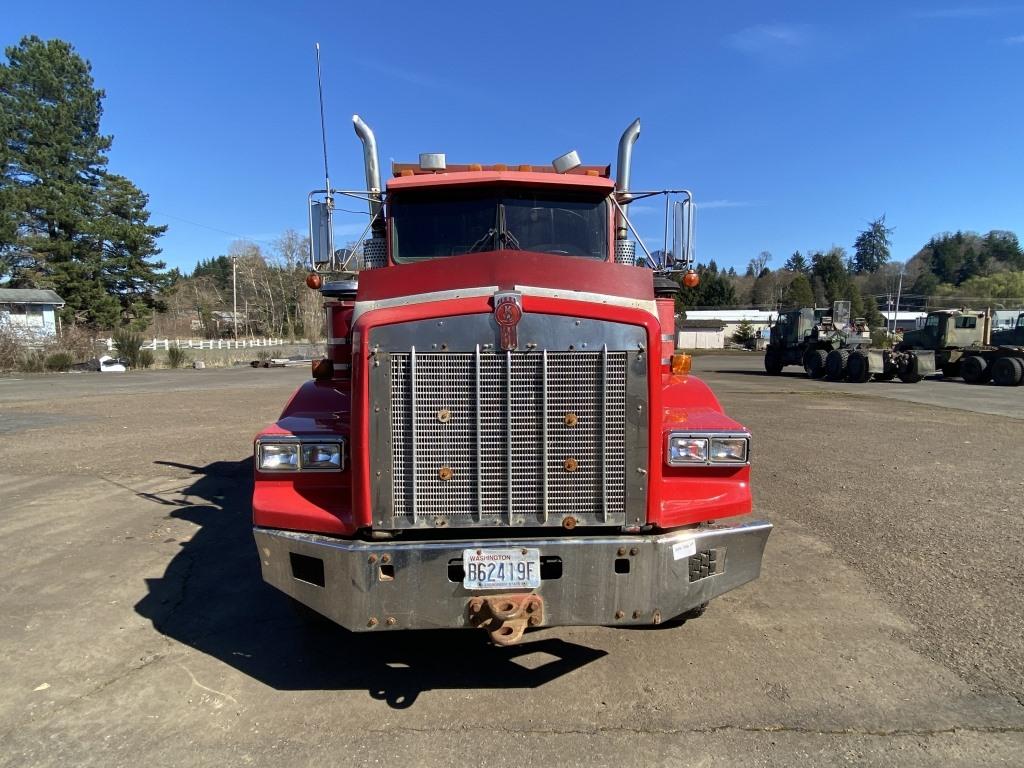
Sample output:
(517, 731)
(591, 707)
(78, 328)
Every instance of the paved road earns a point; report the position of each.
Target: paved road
(885, 628)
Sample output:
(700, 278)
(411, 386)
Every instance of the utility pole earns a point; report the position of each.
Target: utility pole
(899, 290)
(234, 292)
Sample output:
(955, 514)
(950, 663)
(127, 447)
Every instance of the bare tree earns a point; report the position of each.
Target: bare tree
(759, 263)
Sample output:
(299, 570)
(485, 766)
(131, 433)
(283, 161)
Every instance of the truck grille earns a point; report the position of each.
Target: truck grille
(508, 438)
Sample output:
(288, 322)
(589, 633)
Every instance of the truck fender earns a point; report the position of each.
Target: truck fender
(925, 362)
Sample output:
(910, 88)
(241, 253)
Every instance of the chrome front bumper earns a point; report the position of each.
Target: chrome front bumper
(586, 580)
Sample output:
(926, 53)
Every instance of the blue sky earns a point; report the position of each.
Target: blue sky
(795, 123)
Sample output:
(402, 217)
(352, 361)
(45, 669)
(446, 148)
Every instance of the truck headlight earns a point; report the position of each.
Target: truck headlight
(297, 455)
(728, 450)
(321, 456)
(276, 457)
(684, 450)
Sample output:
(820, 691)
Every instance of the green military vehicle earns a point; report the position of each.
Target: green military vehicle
(819, 339)
(958, 342)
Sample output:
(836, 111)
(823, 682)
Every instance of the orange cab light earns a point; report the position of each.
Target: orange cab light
(475, 167)
(500, 167)
(681, 363)
(323, 369)
(691, 279)
(592, 172)
(408, 172)
(526, 168)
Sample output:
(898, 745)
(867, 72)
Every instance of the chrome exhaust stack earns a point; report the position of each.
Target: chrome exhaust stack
(374, 249)
(625, 164)
(370, 161)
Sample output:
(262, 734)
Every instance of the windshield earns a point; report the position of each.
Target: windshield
(435, 224)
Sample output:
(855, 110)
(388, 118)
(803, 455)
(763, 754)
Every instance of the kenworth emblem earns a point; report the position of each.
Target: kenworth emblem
(508, 311)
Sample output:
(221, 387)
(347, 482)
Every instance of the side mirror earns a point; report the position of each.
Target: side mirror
(321, 234)
(681, 255)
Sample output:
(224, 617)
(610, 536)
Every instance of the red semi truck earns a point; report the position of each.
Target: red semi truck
(503, 434)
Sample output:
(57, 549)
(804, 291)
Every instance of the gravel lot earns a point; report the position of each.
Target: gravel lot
(885, 629)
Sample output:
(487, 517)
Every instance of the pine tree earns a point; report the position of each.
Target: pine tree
(797, 263)
(872, 247)
(830, 268)
(124, 258)
(65, 222)
(799, 294)
(744, 333)
(715, 290)
(872, 316)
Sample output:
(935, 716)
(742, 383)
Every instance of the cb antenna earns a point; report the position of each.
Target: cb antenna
(323, 127)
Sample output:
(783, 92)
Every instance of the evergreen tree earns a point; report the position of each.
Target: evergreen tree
(714, 290)
(65, 222)
(744, 333)
(797, 263)
(856, 300)
(830, 268)
(1002, 246)
(872, 247)
(218, 269)
(799, 294)
(125, 256)
(871, 315)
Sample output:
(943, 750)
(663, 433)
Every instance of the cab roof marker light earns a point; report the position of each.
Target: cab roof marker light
(566, 162)
(433, 161)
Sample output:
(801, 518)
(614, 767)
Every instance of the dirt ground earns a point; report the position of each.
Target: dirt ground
(885, 628)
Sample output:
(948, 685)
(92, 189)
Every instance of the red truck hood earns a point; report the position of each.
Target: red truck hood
(505, 270)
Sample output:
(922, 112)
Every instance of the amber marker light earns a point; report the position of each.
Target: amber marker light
(681, 363)
(691, 279)
(314, 281)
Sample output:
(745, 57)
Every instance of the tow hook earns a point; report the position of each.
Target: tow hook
(506, 617)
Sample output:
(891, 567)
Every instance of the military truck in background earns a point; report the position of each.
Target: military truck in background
(819, 339)
(957, 342)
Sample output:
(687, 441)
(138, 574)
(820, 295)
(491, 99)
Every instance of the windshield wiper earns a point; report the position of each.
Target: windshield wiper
(480, 244)
(505, 237)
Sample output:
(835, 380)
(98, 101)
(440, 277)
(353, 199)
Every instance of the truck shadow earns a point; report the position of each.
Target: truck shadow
(212, 598)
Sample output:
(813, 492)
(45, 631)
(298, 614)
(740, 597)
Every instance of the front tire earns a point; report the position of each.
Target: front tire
(835, 364)
(814, 363)
(772, 362)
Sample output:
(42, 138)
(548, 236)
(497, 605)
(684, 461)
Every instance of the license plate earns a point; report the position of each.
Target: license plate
(501, 568)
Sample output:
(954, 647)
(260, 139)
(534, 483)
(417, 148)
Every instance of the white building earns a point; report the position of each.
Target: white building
(700, 334)
(1005, 318)
(905, 321)
(29, 312)
(730, 319)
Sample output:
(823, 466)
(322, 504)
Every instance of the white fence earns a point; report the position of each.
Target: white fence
(166, 344)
